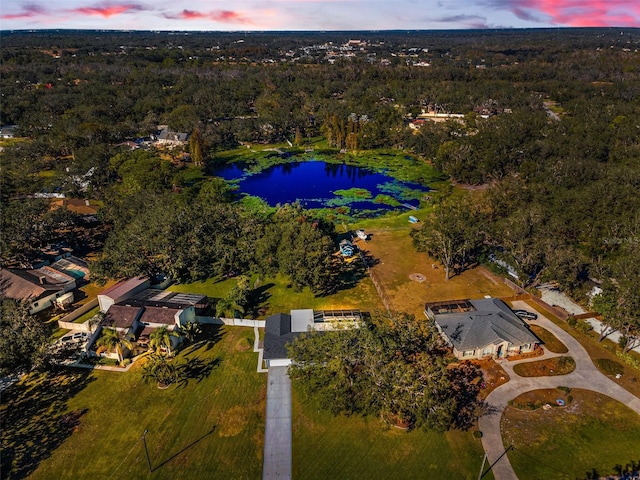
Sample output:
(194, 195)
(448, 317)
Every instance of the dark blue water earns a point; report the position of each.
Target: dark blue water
(313, 183)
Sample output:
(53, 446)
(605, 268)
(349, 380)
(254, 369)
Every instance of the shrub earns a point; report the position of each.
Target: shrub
(609, 367)
(583, 326)
(572, 321)
(629, 360)
(477, 434)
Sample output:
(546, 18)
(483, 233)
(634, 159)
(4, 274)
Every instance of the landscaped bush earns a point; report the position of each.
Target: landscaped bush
(629, 359)
(608, 366)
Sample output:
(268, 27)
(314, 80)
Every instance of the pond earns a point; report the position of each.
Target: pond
(318, 184)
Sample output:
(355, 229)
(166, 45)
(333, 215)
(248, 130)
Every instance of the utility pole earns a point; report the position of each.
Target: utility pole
(144, 440)
(491, 466)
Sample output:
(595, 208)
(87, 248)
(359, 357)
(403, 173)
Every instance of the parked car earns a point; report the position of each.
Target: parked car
(526, 314)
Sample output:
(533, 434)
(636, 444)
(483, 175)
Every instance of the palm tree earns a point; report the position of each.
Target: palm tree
(110, 339)
(164, 372)
(191, 330)
(161, 337)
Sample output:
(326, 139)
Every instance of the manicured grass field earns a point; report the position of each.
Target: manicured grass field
(353, 448)
(593, 433)
(88, 424)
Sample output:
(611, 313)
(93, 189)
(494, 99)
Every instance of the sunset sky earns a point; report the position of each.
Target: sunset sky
(315, 14)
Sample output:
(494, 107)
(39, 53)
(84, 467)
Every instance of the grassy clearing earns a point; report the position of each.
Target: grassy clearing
(550, 341)
(88, 424)
(396, 259)
(273, 295)
(594, 432)
(342, 447)
(546, 368)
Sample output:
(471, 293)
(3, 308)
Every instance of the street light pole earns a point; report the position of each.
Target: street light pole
(144, 440)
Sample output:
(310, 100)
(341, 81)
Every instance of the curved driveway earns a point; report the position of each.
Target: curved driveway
(585, 376)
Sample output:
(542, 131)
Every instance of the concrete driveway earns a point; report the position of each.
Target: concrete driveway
(277, 435)
(585, 376)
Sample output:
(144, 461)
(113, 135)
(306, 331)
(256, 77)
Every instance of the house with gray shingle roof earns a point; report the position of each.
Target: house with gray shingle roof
(481, 328)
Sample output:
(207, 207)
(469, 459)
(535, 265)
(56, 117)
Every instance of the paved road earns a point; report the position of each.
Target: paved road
(585, 376)
(277, 436)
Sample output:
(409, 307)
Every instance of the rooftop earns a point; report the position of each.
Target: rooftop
(483, 322)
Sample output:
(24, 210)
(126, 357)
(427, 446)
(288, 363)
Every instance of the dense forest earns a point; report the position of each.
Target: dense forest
(548, 136)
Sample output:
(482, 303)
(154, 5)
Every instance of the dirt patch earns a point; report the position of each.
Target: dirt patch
(244, 345)
(553, 397)
(233, 421)
(417, 277)
(493, 376)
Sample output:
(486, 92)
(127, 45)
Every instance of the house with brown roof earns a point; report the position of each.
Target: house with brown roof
(121, 291)
(40, 287)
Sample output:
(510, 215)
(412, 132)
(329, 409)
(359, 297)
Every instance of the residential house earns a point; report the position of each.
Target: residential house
(121, 291)
(41, 287)
(8, 131)
(481, 328)
(167, 137)
(138, 310)
(282, 328)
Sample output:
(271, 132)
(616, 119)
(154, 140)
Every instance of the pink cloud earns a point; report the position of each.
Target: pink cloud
(222, 16)
(576, 13)
(108, 10)
(28, 11)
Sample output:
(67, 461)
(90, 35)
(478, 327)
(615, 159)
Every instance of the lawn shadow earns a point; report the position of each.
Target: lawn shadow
(195, 442)
(35, 420)
(210, 335)
(257, 298)
(197, 369)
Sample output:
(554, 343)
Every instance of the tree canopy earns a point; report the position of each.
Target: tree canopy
(392, 368)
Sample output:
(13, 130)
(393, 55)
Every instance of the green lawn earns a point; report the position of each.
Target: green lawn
(594, 432)
(274, 296)
(549, 340)
(347, 448)
(88, 424)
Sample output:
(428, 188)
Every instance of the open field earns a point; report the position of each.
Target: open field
(88, 424)
(397, 259)
(348, 448)
(592, 433)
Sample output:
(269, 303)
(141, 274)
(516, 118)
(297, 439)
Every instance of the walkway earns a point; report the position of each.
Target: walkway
(277, 437)
(585, 376)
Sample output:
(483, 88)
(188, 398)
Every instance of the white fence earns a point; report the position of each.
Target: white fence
(67, 322)
(235, 322)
